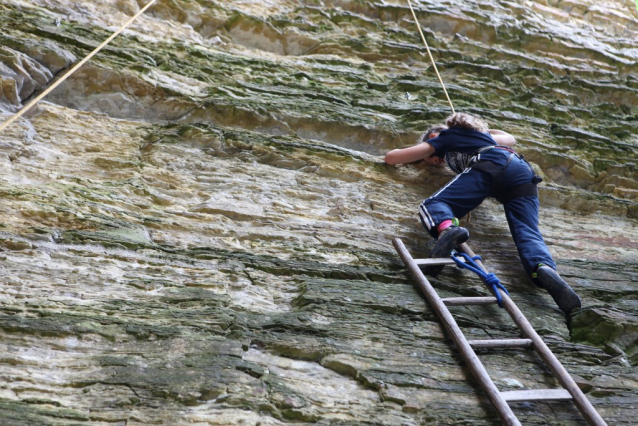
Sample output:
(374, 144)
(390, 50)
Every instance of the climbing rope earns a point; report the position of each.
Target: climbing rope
(31, 104)
(430, 54)
(490, 279)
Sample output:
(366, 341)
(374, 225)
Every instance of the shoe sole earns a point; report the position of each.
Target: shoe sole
(446, 250)
(564, 296)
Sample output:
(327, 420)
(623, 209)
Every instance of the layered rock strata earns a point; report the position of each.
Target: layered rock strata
(195, 227)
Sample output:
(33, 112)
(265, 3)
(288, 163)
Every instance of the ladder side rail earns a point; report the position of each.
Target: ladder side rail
(580, 400)
(474, 363)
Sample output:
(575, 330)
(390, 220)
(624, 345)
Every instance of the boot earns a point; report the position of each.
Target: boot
(449, 238)
(560, 291)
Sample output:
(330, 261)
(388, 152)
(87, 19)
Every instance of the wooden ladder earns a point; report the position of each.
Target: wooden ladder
(571, 391)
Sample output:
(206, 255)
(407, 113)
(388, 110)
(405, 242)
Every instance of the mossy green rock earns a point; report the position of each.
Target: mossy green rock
(196, 225)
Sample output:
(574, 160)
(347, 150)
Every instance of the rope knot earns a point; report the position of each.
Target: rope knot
(490, 279)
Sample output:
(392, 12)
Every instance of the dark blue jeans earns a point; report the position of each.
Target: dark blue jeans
(468, 190)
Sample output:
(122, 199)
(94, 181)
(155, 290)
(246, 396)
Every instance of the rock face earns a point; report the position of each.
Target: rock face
(195, 227)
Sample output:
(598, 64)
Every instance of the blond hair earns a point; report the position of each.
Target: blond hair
(466, 121)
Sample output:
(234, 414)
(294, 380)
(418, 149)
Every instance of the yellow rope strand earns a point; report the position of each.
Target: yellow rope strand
(430, 54)
(32, 103)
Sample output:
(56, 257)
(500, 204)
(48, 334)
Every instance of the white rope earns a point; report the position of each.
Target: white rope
(430, 54)
(33, 102)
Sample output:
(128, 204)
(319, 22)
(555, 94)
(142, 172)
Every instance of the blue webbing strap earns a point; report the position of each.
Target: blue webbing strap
(490, 279)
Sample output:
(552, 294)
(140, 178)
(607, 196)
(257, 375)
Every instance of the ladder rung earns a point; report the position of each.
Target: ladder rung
(459, 301)
(537, 395)
(500, 343)
(436, 261)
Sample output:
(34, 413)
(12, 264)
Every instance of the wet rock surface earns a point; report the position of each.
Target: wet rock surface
(195, 228)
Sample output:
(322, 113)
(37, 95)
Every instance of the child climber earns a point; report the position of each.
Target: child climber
(486, 166)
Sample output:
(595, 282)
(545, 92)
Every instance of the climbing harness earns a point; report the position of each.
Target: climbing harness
(529, 189)
(500, 400)
(488, 278)
(32, 103)
(430, 55)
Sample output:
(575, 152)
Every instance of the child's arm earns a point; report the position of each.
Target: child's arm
(408, 155)
(502, 138)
